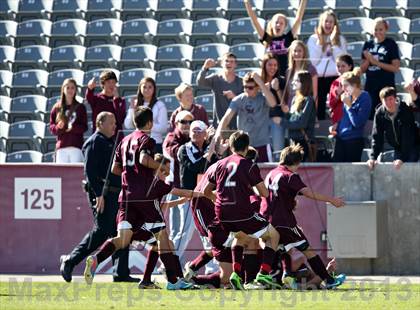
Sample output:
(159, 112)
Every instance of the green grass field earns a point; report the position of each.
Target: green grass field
(352, 295)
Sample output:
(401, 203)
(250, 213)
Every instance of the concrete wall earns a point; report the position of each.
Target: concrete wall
(400, 190)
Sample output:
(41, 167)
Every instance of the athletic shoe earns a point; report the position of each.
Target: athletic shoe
(267, 281)
(91, 264)
(143, 285)
(189, 273)
(338, 280)
(65, 268)
(254, 285)
(290, 282)
(181, 284)
(236, 281)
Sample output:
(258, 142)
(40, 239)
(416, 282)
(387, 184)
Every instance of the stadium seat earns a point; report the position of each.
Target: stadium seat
(170, 9)
(26, 108)
(403, 76)
(103, 31)
(413, 9)
(173, 31)
(6, 78)
(170, 102)
(100, 55)
(271, 7)
(7, 56)
(415, 31)
(56, 78)
(30, 9)
(174, 55)
(415, 57)
(133, 9)
(143, 55)
(8, 30)
(406, 50)
(351, 8)
(68, 31)
(5, 103)
(2, 157)
(65, 9)
(32, 57)
(33, 32)
(129, 79)
(208, 8)
(8, 9)
(399, 28)
(167, 79)
(209, 30)
(95, 74)
(241, 31)
(236, 8)
(366, 154)
(314, 7)
(48, 141)
(48, 157)
(99, 9)
(29, 82)
(355, 50)
(131, 29)
(212, 50)
(386, 157)
(33, 157)
(67, 57)
(356, 28)
(242, 71)
(404, 97)
(248, 54)
(383, 8)
(307, 28)
(25, 135)
(367, 133)
(207, 101)
(4, 134)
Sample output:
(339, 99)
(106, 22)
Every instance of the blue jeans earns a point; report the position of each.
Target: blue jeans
(277, 139)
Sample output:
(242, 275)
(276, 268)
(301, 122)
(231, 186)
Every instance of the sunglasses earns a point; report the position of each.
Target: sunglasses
(185, 122)
(249, 87)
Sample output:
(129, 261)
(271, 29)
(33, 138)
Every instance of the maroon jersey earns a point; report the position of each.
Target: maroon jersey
(202, 207)
(283, 186)
(234, 177)
(137, 180)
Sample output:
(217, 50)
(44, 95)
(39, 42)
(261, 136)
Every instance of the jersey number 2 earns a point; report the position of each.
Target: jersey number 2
(228, 182)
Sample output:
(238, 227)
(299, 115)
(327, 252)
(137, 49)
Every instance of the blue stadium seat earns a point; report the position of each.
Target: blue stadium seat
(25, 135)
(242, 71)
(6, 78)
(4, 134)
(2, 157)
(307, 28)
(99, 9)
(129, 80)
(65, 9)
(248, 54)
(29, 82)
(30, 9)
(242, 31)
(48, 157)
(131, 29)
(382, 8)
(170, 102)
(209, 30)
(48, 141)
(314, 7)
(415, 31)
(167, 79)
(56, 78)
(32, 57)
(33, 32)
(207, 101)
(406, 50)
(5, 103)
(356, 28)
(413, 9)
(174, 55)
(208, 8)
(415, 57)
(133, 9)
(404, 97)
(7, 57)
(170, 9)
(399, 28)
(8, 31)
(67, 57)
(143, 55)
(212, 50)
(29, 107)
(100, 55)
(271, 7)
(103, 31)
(68, 31)
(9, 9)
(355, 50)
(33, 157)
(386, 157)
(351, 8)
(403, 76)
(236, 8)
(173, 31)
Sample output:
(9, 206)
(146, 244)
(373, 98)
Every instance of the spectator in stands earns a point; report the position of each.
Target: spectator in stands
(395, 121)
(107, 100)
(274, 38)
(413, 88)
(68, 121)
(276, 84)
(146, 95)
(253, 114)
(324, 46)
(380, 61)
(225, 86)
(357, 104)
(185, 96)
(344, 64)
(300, 119)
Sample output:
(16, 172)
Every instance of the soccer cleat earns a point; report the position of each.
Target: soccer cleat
(143, 285)
(189, 273)
(338, 280)
(290, 282)
(181, 284)
(236, 281)
(267, 281)
(91, 264)
(65, 268)
(254, 285)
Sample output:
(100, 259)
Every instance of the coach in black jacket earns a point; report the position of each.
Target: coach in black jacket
(395, 121)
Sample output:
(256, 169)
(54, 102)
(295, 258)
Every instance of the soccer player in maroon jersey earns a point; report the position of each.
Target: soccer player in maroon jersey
(140, 216)
(233, 179)
(284, 185)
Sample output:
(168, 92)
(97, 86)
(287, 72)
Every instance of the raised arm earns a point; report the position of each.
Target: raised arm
(254, 19)
(270, 99)
(224, 122)
(299, 17)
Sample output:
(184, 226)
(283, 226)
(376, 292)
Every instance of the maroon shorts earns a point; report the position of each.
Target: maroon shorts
(292, 237)
(256, 225)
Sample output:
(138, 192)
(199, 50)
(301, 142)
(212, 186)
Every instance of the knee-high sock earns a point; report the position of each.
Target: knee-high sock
(213, 279)
(169, 262)
(267, 260)
(179, 272)
(106, 250)
(200, 261)
(237, 257)
(250, 266)
(319, 268)
(152, 258)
